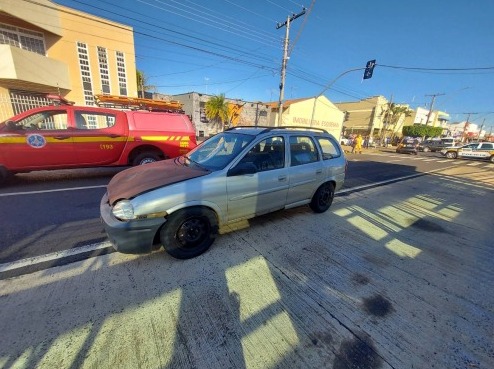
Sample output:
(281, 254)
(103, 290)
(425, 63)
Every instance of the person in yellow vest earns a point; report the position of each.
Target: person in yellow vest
(358, 144)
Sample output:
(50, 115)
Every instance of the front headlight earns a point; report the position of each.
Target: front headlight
(123, 210)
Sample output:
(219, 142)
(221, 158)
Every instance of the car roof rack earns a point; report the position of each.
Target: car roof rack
(267, 129)
(135, 103)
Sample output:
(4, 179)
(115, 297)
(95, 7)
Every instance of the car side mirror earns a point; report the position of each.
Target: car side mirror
(242, 168)
(12, 126)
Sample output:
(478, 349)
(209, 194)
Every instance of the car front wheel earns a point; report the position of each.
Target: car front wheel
(323, 198)
(451, 155)
(491, 159)
(189, 232)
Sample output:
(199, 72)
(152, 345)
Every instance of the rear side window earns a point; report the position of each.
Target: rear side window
(329, 148)
(92, 120)
(302, 150)
(487, 146)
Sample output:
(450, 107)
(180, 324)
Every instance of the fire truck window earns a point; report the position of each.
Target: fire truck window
(92, 120)
(47, 120)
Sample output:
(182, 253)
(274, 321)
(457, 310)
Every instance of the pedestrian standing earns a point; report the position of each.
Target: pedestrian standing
(358, 144)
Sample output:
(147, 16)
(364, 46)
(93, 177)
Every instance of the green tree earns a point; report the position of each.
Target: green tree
(393, 114)
(419, 130)
(217, 110)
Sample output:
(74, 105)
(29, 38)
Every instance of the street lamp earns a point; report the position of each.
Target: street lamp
(327, 88)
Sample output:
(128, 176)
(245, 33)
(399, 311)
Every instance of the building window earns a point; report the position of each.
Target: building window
(22, 38)
(87, 86)
(24, 100)
(103, 70)
(202, 112)
(122, 76)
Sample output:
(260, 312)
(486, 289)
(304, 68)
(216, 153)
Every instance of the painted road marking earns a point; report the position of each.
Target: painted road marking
(52, 256)
(47, 191)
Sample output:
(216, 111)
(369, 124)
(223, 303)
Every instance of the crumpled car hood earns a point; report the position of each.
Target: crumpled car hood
(143, 178)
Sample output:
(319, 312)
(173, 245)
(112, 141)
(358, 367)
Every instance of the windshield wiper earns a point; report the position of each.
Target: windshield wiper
(188, 161)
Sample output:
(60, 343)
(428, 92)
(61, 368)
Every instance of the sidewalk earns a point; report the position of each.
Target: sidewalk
(387, 278)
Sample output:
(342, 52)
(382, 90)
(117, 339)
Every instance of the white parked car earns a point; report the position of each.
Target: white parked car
(237, 174)
(474, 150)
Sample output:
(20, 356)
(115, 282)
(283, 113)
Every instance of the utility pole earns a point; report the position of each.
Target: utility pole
(284, 61)
(432, 105)
(467, 124)
(480, 130)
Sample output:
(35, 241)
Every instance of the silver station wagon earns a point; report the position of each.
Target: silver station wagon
(238, 174)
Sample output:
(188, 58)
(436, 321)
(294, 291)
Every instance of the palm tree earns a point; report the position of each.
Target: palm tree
(217, 110)
(393, 114)
(143, 82)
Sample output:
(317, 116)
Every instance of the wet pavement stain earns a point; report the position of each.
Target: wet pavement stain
(357, 354)
(360, 279)
(377, 306)
(427, 225)
(322, 338)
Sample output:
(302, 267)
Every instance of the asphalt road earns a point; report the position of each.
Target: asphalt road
(51, 211)
(392, 276)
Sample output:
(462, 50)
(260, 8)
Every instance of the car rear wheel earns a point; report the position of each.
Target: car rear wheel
(323, 198)
(4, 174)
(189, 232)
(426, 149)
(451, 155)
(145, 158)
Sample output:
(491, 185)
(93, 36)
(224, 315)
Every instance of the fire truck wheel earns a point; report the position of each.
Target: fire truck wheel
(4, 174)
(145, 158)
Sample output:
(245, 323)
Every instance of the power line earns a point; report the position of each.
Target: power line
(436, 69)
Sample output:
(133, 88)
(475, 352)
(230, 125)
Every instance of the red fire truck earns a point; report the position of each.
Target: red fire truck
(120, 131)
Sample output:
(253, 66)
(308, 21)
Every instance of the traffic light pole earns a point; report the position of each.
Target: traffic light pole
(327, 87)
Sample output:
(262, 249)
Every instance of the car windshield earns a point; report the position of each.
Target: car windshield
(218, 151)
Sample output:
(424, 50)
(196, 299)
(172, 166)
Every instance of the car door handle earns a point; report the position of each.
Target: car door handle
(113, 136)
(61, 137)
(282, 178)
(319, 171)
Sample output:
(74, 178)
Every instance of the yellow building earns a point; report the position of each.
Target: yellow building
(47, 48)
(365, 116)
(309, 112)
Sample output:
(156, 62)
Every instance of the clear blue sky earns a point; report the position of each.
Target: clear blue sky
(234, 47)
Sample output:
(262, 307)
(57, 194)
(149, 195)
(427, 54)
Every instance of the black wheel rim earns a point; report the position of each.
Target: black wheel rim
(193, 232)
(325, 196)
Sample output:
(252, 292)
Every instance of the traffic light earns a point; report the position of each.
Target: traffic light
(369, 68)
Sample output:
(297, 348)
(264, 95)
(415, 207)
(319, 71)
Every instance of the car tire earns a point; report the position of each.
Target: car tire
(4, 174)
(491, 159)
(189, 232)
(426, 149)
(146, 158)
(451, 155)
(323, 198)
